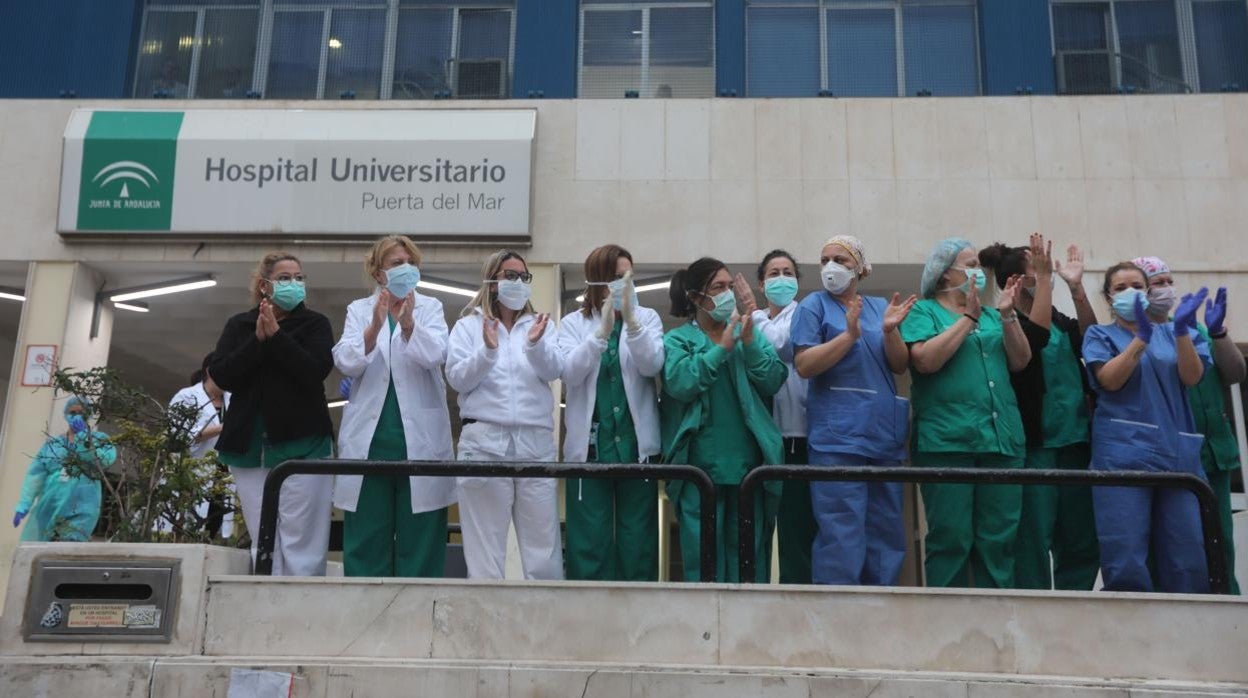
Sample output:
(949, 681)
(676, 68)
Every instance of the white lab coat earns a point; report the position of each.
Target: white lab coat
(788, 405)
(641, 360)
(208, 415)
(506, 390)
(416, 368)
(510, 384)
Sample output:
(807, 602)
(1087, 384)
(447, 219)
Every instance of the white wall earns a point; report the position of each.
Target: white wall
(675, 179)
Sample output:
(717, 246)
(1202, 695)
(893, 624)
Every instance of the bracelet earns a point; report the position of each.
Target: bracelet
(1219, 335)
(1012, 317)
(973, 319)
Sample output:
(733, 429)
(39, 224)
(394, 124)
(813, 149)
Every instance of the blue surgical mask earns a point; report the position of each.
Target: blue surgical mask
(288, 294)
(725, 306)
(1123, 303)
(1031, 290)
(402, 279)
(617, 294)
(76, 422)
(780, 290)
(974, 275)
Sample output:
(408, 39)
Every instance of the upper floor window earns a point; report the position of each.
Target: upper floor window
(1103, 46)
(863, 48)
(197, 48)
(647, 49)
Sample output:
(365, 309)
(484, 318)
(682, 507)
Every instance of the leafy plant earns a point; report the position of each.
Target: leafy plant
(151, 491)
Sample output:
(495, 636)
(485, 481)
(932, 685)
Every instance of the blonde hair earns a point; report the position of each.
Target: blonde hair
(381, 248)
(265, 269)
(487, 295)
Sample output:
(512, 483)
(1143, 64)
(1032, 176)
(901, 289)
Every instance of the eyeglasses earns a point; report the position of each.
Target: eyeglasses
(289, 277)
(512, 275)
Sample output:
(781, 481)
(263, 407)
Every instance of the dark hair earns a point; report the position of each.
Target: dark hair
(762, 266)
(1004, 261)
(199, 376)
(600, 266)
(1121, 266)
(692, 279)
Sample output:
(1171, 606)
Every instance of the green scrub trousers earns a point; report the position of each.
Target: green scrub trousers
(795, 519)
(1057, 519)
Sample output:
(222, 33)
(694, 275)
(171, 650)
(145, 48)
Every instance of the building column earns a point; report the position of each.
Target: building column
(60, 300)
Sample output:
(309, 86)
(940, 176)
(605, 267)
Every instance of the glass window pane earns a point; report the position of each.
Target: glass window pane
(165, 54)
(422, 59)
(783, 51)
(228, 54)
(357, 39)
(862, 53)
(295, 59)
(1148, 39)
(610, 53)
(206, 3)
(1221, 44)
(1080, 27)
(484, 49)
(682, 54)
(940, 50)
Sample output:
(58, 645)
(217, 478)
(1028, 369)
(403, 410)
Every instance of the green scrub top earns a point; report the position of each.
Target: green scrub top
(1220, 450)
(1064, 414)
(389, 442)
(968, 406)
(617, 436)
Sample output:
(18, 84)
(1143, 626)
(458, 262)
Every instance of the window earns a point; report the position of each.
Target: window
(197, 49)
(861, 48)
(462, 52)
(328, 52)
(1154, 46)
(652, 49)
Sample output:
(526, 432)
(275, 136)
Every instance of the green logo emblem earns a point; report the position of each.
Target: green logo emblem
(128, 161)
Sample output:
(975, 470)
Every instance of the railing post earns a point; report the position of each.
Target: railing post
(267, 535)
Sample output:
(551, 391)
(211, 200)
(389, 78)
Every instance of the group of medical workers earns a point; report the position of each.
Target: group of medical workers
(1004, 383)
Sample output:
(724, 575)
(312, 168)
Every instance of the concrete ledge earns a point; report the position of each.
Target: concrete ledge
(197, 562)
(1100, 636)
(325, 678)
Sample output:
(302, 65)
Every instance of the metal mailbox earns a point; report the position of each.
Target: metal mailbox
(79, 600)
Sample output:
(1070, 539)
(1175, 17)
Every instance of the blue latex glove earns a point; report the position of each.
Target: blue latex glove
(1185, 316)
(1143, 328)
(77, 423)
(344, 388)
(17, 518)
(1215, 312)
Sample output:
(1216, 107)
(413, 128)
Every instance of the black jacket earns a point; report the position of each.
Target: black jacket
(282, 378)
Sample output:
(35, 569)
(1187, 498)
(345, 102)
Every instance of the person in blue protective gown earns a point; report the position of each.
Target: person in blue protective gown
(849, 347)
(61, 500)
(1141, 371)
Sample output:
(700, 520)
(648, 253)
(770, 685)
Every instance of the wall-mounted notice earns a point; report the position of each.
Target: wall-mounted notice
(39, 365)
(431, 174)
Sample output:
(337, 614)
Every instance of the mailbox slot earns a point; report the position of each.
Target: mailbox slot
(85, 600)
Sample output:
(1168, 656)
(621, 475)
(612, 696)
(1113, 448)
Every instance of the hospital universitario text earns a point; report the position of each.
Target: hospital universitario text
(441, 170)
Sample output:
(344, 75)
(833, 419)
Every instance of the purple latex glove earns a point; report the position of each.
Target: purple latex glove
(17, 518)
(1185, 316)
(1215, 312)
(344, 388)
(1143, 328)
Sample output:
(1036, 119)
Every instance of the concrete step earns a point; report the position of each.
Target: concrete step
(130, 677)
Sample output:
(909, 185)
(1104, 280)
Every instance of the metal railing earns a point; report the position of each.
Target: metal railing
(490, 469)
(1212, 527)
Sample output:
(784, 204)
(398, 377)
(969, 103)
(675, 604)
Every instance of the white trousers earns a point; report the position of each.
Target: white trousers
(302, 519)
(488, 505)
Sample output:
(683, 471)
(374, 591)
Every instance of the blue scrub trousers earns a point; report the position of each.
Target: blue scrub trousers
(1131, 521)
(862, 537)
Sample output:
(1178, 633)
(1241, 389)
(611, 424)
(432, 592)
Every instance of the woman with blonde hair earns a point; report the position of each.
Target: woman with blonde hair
(274, 359)
(393, 347)
(612, 350)
(502, 357)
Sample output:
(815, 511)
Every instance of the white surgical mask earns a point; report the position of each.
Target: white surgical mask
(836, 277)
(1163, 298)
(514, 294)
(1031, 290)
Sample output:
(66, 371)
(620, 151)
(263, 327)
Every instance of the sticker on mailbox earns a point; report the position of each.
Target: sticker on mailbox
(141, 617)
(97, 615)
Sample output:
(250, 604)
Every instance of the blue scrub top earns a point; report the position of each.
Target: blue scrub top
(852, 408)
(1146, 424)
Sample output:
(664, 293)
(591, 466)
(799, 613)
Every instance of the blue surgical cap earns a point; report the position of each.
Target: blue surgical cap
(74, 400)
(939, 260)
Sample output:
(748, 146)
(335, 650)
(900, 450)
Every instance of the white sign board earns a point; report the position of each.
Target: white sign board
(430, 174)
